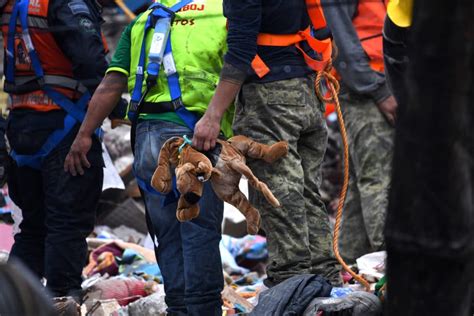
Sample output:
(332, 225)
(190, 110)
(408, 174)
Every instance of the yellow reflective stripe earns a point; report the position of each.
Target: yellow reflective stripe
(118, 69)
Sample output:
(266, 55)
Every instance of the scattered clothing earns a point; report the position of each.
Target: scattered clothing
(292, 296)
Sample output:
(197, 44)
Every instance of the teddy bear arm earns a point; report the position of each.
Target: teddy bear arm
(186, 211)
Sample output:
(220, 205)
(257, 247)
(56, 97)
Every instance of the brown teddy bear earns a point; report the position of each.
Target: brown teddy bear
(224, 166)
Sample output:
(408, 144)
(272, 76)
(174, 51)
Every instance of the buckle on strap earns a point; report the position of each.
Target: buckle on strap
(177, 103)
(133, 106)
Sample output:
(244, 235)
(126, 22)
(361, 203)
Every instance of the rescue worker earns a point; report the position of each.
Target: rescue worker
(277, 101)
(54, 60)
(369, 110)
(187, 252)
(395, 45)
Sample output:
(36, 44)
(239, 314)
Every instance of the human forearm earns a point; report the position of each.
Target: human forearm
(208, 128)
(105, 98)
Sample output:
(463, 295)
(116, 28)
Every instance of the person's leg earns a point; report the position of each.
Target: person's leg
(269, 113)
(187, 253)
(26, 190)
(70, 204)
(202, 260)
(161, 219)
(311, 147)
(371, 148)
(353, 240)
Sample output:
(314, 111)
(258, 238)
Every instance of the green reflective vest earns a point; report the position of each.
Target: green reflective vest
(198, 40)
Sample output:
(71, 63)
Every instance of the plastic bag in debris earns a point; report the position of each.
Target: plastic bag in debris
(372, 265)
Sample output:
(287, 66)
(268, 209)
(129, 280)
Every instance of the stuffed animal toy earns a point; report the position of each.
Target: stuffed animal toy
(224, 166)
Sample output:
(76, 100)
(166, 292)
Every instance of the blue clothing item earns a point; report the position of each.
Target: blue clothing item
(187, 253)
(248, 18)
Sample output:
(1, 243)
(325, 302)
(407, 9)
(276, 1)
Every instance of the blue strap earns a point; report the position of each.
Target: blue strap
(171, 197)
(10, 67)
(34, 161)
(75, 111)
(27, 39)
(175, 90)
(173, 83)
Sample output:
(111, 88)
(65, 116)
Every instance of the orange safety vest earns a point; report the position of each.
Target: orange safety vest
(322, 47)
(57, 68)
(368, 24)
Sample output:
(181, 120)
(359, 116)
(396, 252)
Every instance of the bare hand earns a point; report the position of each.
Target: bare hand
(388, 107)
(76, 159)
(206, 132)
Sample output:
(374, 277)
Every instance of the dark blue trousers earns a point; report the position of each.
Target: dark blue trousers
(187, 253)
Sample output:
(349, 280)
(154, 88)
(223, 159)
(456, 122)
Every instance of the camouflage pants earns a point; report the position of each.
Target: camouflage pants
(298, 233)
(370, 139)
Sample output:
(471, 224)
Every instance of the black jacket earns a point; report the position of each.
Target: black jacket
(247, 18)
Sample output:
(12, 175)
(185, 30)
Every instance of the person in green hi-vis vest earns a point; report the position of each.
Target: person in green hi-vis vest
(187, 252)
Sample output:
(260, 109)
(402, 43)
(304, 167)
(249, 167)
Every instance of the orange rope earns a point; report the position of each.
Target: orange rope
(333, 85)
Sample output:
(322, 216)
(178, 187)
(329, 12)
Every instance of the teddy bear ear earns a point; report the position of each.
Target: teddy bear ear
(173, 141)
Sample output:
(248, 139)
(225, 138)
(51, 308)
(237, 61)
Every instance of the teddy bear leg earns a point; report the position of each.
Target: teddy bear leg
(253, 180)
(161, 180)
(252, 216)
(186, 211)
(256, 150)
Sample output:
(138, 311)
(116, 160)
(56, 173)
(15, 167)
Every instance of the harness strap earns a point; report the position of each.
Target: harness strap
(321, 47)
(315, 12)
(34, 161)
(169, 66)
(75, 111)
(138, 96)
(30, 83)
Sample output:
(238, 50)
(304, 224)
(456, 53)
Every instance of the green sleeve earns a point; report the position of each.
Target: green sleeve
(121, 59)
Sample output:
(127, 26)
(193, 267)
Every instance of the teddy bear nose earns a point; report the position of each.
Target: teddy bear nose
(192, 198)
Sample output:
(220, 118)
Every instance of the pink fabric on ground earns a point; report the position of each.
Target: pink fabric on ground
(6, 237)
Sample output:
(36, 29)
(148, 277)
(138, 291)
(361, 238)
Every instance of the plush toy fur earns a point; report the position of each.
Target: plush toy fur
(193, 168)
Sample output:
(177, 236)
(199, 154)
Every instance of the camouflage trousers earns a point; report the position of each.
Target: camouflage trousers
(298, 233)
(370, 139)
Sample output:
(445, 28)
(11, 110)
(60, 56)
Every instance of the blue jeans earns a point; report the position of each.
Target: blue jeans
(58, 214)
(187, 253)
